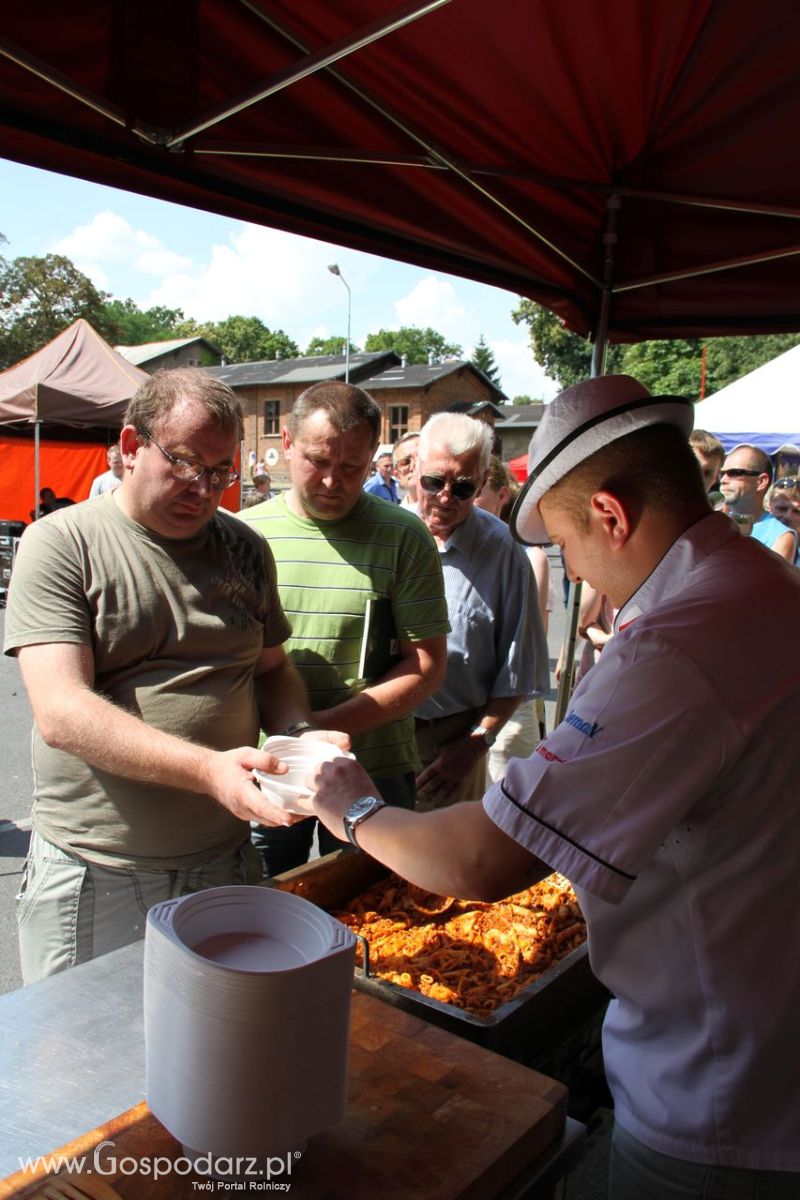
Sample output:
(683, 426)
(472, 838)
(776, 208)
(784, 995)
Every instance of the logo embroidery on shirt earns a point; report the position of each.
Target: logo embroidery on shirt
(589, 729)
(548, 754)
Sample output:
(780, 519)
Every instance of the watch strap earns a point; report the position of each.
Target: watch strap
(351, 822)
(299, 727)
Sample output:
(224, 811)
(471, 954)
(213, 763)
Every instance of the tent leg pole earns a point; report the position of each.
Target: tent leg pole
(599, 347)
(36, 502)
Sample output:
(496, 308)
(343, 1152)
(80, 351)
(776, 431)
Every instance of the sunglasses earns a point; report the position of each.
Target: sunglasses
(788, 481)
(738, 473)
(460, 489)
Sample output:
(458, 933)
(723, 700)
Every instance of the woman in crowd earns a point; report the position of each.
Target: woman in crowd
(783, 501)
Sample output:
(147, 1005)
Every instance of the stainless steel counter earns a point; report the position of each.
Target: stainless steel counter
(71, 1054)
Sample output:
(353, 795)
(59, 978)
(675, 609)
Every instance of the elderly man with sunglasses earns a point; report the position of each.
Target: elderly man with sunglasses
(744, 479)
(149, 634)
(497, 650)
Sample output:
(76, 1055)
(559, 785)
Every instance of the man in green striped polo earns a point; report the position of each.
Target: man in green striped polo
(360, 580)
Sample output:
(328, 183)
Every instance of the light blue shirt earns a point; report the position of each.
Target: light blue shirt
(497, 645)
(768, 529)
(386, 491)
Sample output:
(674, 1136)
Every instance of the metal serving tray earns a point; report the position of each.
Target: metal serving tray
(524, 1029)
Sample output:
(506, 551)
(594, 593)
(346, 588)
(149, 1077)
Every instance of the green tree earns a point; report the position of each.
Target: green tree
(242, 339)
(329, 345)
(41, 296)
(483, 358)
(728, 358)
(565, 356)
(417, 344)
(670, 366)
(135, 326)
(520, 400)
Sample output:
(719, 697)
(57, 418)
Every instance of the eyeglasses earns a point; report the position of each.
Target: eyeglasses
(787, 481)
(738, 473)
(219, 478)
(460, 489)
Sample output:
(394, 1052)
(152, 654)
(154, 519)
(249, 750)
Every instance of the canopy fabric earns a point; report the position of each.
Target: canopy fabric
(641, 151)
(76, 379)
(762, 408)
(66, 467)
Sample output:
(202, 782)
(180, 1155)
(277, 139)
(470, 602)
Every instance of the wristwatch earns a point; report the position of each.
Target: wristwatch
(481, 731)
(358, 811)
(298, 728)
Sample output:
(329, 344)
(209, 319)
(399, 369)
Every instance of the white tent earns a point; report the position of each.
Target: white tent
(762, 408)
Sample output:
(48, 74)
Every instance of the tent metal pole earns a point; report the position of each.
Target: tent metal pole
(36, 502)
(599, 347)
(313, 62)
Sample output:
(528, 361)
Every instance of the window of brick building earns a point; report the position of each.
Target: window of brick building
(272, 417)
(398, 421)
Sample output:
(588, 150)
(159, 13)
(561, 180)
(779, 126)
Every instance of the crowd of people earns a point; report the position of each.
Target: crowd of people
(411, 628)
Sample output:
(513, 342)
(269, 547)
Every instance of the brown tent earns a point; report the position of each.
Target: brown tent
(75, 380)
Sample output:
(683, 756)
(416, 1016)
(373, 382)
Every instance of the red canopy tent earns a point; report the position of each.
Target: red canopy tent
(631, 165)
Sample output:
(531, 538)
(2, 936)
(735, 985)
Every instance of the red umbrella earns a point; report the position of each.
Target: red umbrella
(519, 467)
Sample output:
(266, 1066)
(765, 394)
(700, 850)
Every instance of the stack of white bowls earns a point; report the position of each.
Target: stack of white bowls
(246, 1003)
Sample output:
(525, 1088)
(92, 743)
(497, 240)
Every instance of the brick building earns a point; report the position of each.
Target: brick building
(407, 393)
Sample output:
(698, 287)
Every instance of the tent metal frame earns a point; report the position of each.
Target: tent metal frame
(433, 157)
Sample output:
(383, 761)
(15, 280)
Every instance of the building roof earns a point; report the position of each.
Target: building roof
(520, 416)
(316, 368)
(424, 375)
(375, 370)
(473, 407)
(147, 351)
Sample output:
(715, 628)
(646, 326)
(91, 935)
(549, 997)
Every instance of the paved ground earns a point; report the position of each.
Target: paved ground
(16, 786)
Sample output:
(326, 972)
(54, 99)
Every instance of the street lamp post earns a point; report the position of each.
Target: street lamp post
(334, 270)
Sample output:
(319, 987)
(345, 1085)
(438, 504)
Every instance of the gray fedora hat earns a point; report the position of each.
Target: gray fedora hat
(578, 423)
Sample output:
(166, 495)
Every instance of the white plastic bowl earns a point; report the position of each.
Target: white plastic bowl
(289, 791)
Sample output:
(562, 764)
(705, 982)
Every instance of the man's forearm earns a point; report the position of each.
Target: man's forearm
(107, 737)
(400, 691)
(282, 698)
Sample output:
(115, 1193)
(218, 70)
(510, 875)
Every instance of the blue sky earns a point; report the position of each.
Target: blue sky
(213, 267)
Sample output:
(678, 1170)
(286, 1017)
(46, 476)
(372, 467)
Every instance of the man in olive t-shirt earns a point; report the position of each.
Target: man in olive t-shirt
(149, 634)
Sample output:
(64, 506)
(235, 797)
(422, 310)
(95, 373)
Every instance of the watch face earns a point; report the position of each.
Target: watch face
(360, 808)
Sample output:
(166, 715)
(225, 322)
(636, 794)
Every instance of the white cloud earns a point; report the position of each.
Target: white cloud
(280, 278)
(434, 302)
(520, 374)
(109, 242)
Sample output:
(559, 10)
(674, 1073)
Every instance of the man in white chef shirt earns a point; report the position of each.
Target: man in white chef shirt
(668, 796)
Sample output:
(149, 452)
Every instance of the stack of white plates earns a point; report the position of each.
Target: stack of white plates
(247, 1003)
(290, 791)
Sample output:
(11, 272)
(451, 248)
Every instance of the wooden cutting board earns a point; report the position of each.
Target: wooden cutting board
(429, 1115)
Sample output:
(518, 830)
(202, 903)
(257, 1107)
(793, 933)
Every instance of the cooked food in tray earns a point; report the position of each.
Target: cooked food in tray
(474, 955)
